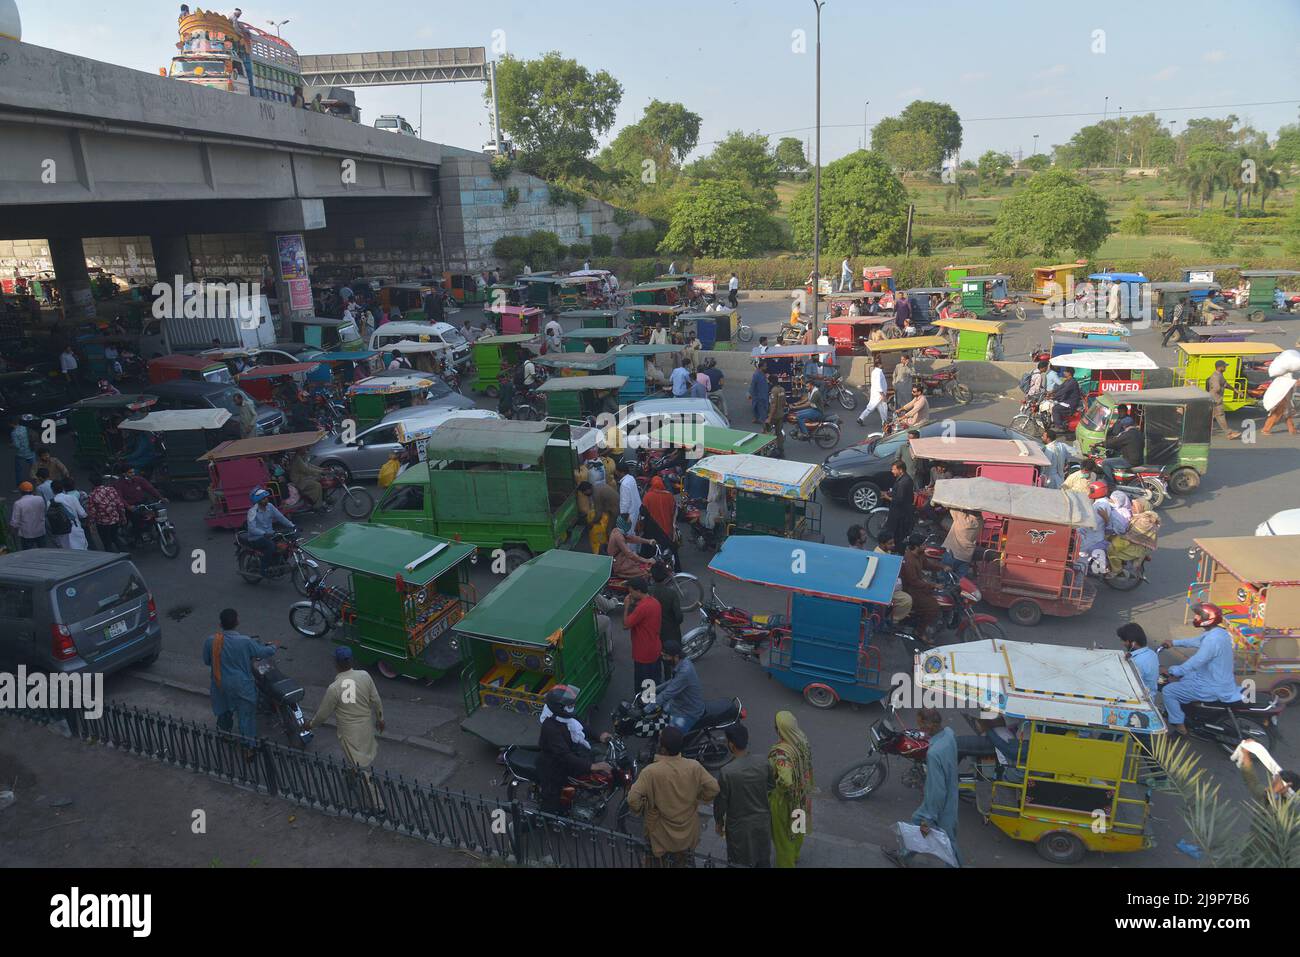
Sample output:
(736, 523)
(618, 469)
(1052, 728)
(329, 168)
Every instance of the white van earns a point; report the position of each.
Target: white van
(444, 332)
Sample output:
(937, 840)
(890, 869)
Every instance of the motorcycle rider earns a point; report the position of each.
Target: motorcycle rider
(1207, 675)
(565, 751)
(682, 696)
(1092, 541)
(1065, 400)
(136, 491)
(1125, 446)
(1144, 659)
(811, 408)
(262, 519)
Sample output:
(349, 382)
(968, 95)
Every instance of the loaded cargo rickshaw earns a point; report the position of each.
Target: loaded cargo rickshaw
(495, 357)
(511, 660)
(582, 399)
(836, 598)
(770, 496)
(95, 424)
(1055, 283)
(1027, 559)
(519, 319)
(989, 295)
(184, 435)
(491, 483)
(1195, 363)
(1175, 426)
(973, 339)
(1256, 581)
(396, 596)
(371, 399)
(238, 467)
(1065, 763)
(600, 339)
(1266, 298)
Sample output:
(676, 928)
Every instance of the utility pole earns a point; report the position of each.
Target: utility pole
(865, 141)
(817, 186)
(496, 108)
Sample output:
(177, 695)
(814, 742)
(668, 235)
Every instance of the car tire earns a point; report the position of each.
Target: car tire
(864, 497)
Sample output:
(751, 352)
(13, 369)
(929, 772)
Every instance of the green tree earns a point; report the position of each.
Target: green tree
(883, 131)
(1038, 162)
(1291, 231)
(790, 158)
(938, 119)
(1090, 146)
(1137, 221)
(1053, 213)
(993, 167)
(745, 159)
(1287, 148)
(863, 210)
(911, 151)
(719, 218)
(673, 126)
(554, 109)
(1203, 171)
(1216, 233)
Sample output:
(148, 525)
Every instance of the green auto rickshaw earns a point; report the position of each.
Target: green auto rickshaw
(1175, 427)
(95, 426)
(497, 356)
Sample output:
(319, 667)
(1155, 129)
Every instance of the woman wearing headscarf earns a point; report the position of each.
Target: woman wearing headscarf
(1121, 511)
(1138, 540)
(790, 760)
(627, 563)
(659, 515)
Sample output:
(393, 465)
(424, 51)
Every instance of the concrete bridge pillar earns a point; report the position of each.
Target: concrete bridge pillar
(171, 257)
(69, 258)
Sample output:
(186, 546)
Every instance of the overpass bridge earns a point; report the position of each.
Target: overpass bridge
(92, 149)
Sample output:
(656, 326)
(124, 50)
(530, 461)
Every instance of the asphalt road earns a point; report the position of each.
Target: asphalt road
(1245, 484)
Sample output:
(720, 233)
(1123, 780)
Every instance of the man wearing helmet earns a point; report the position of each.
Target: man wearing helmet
(1207, 675)
(566, 752)
(262, 519)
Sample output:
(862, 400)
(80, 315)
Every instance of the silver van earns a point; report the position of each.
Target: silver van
(69, 611)
(366, 455)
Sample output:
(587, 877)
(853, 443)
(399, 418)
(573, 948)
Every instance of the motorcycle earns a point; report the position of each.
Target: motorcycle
(150, 524)
(585, 799)
(887, 739)
(837, 390)
(324, 609)
(289, 560)
(705, 742)
(747, 634)
(282, 697)
(944, 382)
(825, 432)
(689, 592)
(1227, 724)
(1146, 482)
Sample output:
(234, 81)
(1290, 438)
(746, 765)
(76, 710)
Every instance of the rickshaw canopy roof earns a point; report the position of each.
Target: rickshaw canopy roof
(1262, 273)
(659, 310)
(1086, 687)
(361, 355)
(578, 383)
(713, 314)
(989, 326)
(515, 311)
(110, 403)
(1272, 559)
(1177, 395)
(907, 344)
(1108, 361)
(1185, 287)
(1090, 345)
(1016, 501)
(577, 360)
(274, 372)
(262, 445)
(1062, 266)
(1091, 329)
(756, 473)
(1119, 276)
(969, 266)
(658, 284)
(409, 345)
(877, 272)
(594, 334)
(827, 571)
(384, 552)
(713, 439)
(416, 430)
(389, 385)
(933, 290)
(178, 420)
(859, 320)
(1229, 348)
(491, 440)
(991, 277)
(512, 339)
(778, 352)
(588, 314)
(591, 272)
(991, 451)
(647, 349)
(555, 588)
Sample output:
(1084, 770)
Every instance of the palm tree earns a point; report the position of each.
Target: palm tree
(1272, 837)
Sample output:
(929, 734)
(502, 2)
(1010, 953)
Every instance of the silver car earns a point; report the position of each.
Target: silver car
(366, 454)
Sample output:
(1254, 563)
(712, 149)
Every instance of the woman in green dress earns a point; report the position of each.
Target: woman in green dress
(791, 798)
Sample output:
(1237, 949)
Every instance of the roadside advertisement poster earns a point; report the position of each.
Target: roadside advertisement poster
(300, 295)
(293, 257)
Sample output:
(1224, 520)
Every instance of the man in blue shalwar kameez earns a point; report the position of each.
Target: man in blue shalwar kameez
(234, 693)
(939, 802)
(1207, 675)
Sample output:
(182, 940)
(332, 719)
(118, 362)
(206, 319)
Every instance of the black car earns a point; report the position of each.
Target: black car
(859, 474)
(31, 393)
(189, 394)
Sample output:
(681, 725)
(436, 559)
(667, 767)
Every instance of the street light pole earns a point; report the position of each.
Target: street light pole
(1118, 126)
(1035, 153)
(864, 125)
(277, 24)
(817, 183)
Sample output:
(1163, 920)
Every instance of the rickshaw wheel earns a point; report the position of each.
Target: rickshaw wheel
(744, 333)
(961, 393)
(516, 557)
(1025, 613)
(1255, 315)
(1060, 847)
(1184, 481)
(385, 669)
(820, 696)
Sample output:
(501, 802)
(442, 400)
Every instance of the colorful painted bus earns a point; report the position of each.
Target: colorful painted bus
(219, 53)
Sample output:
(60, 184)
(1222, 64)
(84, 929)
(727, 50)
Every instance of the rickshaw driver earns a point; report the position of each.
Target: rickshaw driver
(1207, 675)
(915, 413)
(261, 521)
(565, 751)
(811, 408)
(682, 697)
(306, 477)
(1065, 400)
(1128, 443)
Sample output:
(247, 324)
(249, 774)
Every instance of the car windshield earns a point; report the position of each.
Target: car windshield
(453, 337)
(1095, 418)
(888, 448)
(225, 399)
(192, 67)
(98, 592)
(386, 124)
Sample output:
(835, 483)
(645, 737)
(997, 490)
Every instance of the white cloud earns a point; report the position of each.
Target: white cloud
(1166, 74)
(1051, 71)
(1214, 56)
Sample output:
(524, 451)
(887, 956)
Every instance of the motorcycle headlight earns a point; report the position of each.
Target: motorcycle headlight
(972, 595)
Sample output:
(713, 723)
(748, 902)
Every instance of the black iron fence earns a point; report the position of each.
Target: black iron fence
(509, 831)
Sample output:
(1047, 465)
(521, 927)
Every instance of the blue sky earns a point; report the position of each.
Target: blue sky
(1004, 65)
